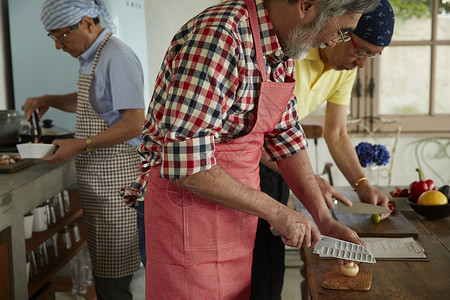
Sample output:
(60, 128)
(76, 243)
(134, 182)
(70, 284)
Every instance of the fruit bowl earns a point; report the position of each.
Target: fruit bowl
(30, 150)
(430, 211)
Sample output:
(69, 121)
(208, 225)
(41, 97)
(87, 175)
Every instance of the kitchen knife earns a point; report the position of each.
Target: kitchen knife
(331, 247)
(361, 208)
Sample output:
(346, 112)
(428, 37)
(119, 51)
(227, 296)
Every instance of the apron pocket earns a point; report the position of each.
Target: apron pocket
(209, 226)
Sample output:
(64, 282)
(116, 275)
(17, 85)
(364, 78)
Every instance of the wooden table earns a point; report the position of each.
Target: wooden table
(395, 279)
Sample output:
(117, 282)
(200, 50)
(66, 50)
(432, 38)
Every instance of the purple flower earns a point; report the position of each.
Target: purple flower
(381, 155)
(365, 153)
(369, 154)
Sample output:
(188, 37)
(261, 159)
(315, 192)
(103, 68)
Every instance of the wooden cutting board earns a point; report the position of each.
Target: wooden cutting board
(396, 225)
(16, 167)
(334, 280)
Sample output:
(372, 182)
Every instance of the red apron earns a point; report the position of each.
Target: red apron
(195, 248)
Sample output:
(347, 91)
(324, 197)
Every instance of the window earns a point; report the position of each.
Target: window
(412, 77)
(410, 83)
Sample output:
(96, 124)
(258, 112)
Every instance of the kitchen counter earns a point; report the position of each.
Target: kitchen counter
(20, 192)
(391, 279)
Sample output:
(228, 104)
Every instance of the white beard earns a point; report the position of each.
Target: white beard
(301, 56)
(320, 46)
(301, 39)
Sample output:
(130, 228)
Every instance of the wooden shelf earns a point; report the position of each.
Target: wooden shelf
(5, 264)
(45, 273)
(74, 213)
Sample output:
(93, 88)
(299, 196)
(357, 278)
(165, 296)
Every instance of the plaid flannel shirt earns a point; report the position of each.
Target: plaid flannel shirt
(207, 92)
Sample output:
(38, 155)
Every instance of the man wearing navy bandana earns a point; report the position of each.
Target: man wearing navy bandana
(109, 105)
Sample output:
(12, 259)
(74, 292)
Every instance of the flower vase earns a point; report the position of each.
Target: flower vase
(373, 175)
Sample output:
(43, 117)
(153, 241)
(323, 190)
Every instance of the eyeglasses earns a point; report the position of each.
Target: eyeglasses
(344, 36)
(60, 39)
(360, 54)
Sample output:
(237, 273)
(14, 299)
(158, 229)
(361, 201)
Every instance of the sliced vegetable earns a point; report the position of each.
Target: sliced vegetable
(349, 269)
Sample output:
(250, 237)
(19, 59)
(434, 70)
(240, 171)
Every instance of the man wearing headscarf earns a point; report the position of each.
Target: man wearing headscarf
(326, 74)
(109, 105)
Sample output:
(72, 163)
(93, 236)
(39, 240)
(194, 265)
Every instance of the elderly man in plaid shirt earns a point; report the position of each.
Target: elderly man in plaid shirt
(224, 91)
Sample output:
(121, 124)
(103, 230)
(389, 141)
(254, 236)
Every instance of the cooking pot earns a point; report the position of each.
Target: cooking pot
(49, 133)
(9, 127)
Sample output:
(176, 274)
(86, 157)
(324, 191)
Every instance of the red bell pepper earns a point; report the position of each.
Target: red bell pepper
(418, 187)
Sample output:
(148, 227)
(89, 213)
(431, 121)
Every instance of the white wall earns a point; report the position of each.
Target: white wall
(163, 21)
(130, 20)
(45, 70)
(38, 67)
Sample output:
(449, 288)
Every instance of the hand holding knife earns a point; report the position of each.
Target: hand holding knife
(340, 249)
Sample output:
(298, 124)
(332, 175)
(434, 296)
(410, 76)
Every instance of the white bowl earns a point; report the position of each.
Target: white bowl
(30, 150)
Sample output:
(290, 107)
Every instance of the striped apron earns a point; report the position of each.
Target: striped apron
(110, 224)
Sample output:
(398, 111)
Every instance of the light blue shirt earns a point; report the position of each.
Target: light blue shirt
(118, 81)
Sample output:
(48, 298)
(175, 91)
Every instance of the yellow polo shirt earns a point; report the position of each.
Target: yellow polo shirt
(316, 83)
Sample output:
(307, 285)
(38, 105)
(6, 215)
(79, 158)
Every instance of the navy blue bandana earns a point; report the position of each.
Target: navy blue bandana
(377, 26)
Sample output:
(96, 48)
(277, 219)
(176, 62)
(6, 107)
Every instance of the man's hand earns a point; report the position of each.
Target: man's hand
(371, 195)
(296, 229)
(329, 193)
(333, 228)
(33, 104)
(66, 150)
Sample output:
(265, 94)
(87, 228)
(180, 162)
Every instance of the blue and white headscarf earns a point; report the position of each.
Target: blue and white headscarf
(56, 14)
(377, 26)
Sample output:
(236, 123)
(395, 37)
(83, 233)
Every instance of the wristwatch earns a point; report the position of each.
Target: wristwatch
(89, 147)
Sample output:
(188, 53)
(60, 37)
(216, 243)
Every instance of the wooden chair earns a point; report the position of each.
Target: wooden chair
(313, 131)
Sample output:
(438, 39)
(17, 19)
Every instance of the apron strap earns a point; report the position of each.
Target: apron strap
(99, 51)
(254, 25)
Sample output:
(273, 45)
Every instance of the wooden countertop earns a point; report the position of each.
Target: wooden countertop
(396, 279)
(12, 181)
(23, 190)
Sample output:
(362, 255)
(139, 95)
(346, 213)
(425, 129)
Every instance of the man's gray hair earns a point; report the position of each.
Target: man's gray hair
(331, 8)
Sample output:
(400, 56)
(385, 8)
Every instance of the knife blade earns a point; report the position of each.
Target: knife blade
(332, 247)
(361, 208)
